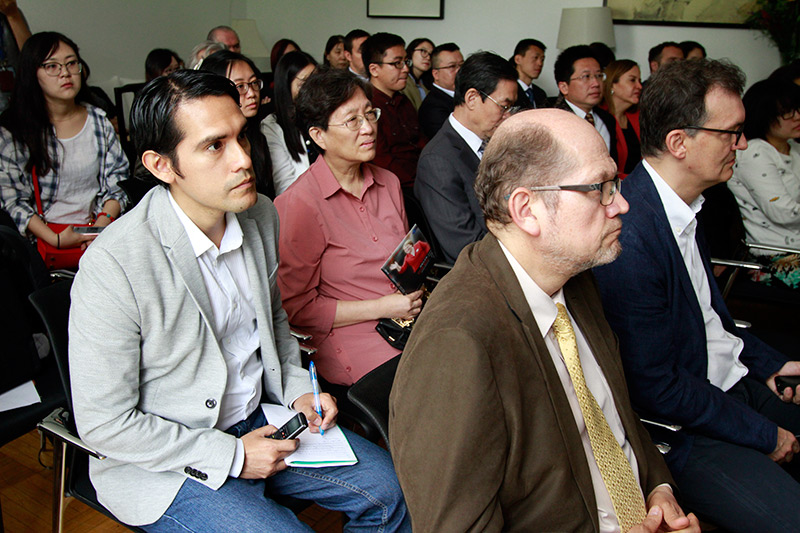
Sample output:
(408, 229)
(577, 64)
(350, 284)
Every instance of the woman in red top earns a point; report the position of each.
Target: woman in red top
(621, 92)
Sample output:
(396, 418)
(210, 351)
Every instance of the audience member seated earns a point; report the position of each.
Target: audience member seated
(766, 177)
(513, 341)
(418, 53)
(14, 32)
(339, 223)
(603, 54)
(692, 50)
(486, 88)
(446, 60)
(287, 146)
(227, 36)
(334, 53)
(580, 85)
(621, 92)
(399, 140)
(177, 333)
(528, 60)
(50, 135)
(283, 46)
(202, 51)
(161, 62)
(789, 72)
(352, 51)
(663, 54)
(686, 363)
(244, 74)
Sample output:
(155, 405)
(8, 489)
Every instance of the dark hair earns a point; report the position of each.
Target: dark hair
(157, 60)
(565, 62)
(220, 63)
(446, 47)
(657, 50)
(602, 53)
(153, 125)
(523, 46)
(351, 36)
(278, 49)
(765, 102)
(323, 93)
(788, 72)
(688, 46)
(288, 68)
(376, 45)
(676, 97)
(333, 40)
(482, 71)
(26, 117)
(416, 42)
(614, 72)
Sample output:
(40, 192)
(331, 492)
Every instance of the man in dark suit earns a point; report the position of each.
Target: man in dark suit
(487, 430)
(685, 361)
(580, 85)
(528, 59)
(446, 171)
(446, 60)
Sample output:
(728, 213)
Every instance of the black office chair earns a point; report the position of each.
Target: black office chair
(128, 91)
(371, 395)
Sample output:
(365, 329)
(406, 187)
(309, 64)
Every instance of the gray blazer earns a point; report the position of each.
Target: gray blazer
(147, 371)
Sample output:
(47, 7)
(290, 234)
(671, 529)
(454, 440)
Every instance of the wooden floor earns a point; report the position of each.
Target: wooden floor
(26, 491)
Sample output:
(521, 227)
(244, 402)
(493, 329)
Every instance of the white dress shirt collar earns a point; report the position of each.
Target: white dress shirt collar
(680, 215)
(448, 92)
(231, 239)
(469, 136)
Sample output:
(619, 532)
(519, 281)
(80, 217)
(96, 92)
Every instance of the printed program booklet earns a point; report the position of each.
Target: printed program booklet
(408, 264)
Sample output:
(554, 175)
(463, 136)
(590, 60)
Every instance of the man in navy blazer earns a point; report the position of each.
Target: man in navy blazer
(446, 61)
(685, 361)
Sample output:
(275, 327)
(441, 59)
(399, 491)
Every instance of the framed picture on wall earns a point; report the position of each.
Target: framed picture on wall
(409, 9)
(719, 13)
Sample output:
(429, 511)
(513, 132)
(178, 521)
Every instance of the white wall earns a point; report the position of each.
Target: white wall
(496, 26)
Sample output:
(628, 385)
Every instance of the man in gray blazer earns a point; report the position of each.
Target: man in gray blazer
(486, 88)
(177, 332)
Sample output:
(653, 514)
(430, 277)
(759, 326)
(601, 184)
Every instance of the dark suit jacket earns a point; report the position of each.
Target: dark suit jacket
(651, 304)
(445, 175)
(433, 112)
(607, 118)
(525, 103)
(482, 435)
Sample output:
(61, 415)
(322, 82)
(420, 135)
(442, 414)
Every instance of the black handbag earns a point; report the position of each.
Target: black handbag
(395, 331)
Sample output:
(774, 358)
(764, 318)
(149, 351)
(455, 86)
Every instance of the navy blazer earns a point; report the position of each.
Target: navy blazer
(650, 303)
(433, 112)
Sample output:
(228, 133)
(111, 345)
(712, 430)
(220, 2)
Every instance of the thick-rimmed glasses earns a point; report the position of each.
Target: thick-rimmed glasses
(736, 133)
(608, 189)
(423, 52)
(789, 115)
(256, 85)
(354, 123)
(54, 68)
(399, 64)
(506, 108)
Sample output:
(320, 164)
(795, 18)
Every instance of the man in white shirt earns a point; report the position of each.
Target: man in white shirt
(685, 361)
(512, 368)
(446, 61)
(484, 92)
(177, 333)
(528, 59)
(352, 51)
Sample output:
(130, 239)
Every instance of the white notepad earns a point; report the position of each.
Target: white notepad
(315, 450)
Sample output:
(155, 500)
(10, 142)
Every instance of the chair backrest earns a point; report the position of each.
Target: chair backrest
(123, 99)
(371, 395)
(52, 303)
(722, 224)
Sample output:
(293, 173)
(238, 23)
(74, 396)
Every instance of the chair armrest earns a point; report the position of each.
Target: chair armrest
(301, 336)
(54, 426)
(771, 248)
(742, 324)
(307, 350)
(749, 265)
(671, 427)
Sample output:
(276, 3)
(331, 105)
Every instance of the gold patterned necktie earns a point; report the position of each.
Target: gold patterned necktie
(626, 495)
(590, 118)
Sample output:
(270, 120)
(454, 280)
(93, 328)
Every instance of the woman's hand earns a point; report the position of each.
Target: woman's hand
(405, 306)
(69, 238)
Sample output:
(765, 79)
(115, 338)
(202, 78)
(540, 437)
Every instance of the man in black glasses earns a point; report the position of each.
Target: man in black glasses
(686, 363)
(512, 365)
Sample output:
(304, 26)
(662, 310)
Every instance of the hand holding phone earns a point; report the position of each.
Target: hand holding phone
(88, 230)
(782, 382)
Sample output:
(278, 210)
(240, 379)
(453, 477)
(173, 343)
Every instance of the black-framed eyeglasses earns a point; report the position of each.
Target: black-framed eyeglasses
(256, 85)
(54, 68)
(423, 52)
(608, 189)
(399, 64)
(789, 115)
(505, 108)
(736, 133)
(355, 122)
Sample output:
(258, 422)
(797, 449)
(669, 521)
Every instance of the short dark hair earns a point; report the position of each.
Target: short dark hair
(446, 47)
(157, 60)
(657, 50)
(527, 156)
(323, 93)
(220, 63)
(602, 53)
(676, 97)
(333, 40)
(351, 36)
(482, 71)
(524, 44)
(565, 62)
(376, 45)
(788, 72)
(153, 125)
(765, 102)
(688, 46)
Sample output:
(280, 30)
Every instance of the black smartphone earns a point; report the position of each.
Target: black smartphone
(292, 428)
(781, 382)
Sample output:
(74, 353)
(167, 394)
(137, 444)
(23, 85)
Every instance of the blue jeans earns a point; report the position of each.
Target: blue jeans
(368, 493)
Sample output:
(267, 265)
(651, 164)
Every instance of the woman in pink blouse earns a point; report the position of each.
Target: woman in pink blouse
(340, 221)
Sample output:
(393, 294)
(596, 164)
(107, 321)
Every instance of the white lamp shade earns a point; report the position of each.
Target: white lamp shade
(585, 25)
